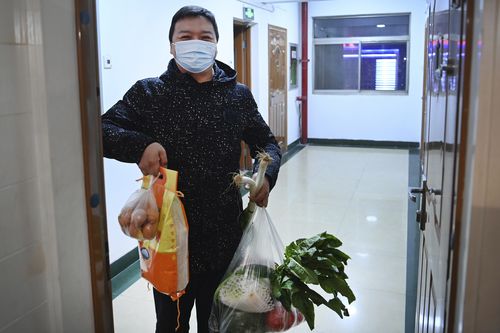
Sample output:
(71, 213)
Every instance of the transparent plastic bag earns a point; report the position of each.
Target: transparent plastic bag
(140, 215)
(243, 302)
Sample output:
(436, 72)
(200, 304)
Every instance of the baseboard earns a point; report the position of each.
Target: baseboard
(126, 278)
(123, 262)
(292, 149)
(293, 144)
(125, 271)
(363, 143)
(413, 243)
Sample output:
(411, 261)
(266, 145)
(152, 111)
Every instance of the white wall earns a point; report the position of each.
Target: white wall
(134, 34)
(364, 116)
(44, 255)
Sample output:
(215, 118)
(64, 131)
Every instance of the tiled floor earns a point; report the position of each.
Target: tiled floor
(359, 195)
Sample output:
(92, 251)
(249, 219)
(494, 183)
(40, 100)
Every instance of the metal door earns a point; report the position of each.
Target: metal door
(440, 151)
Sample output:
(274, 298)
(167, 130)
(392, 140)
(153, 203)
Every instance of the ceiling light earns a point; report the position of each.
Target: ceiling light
(380, 25)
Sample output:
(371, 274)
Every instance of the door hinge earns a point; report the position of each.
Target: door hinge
(450, 252)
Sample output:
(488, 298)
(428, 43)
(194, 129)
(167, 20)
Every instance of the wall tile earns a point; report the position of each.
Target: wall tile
(66, 161)
(23, 282)
(15, 87)
(34, 321)
(16, 149)
(20, 217)
(19, 20)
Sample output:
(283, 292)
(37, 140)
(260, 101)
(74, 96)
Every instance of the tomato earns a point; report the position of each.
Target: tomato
(300, 317)
(279, 320)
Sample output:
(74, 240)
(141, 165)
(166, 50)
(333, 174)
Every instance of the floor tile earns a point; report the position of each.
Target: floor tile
(133, 315)
(372, 312)
(357, 194)
(375, 270)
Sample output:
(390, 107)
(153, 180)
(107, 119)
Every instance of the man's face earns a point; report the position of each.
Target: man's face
(192, 28)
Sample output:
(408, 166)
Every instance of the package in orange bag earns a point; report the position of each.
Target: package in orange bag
(164, 259)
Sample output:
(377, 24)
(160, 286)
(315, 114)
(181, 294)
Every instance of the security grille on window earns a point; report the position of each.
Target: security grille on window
(362, 53)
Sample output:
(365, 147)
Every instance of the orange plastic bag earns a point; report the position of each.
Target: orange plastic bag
(164, 259)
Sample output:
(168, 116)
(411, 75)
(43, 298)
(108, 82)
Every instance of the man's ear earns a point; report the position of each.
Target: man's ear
(172, 49)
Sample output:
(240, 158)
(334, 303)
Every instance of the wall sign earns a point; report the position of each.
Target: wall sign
(248, 14)
(293, 65)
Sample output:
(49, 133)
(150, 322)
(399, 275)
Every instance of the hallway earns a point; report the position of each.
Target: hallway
(357, 194)
(63, 63)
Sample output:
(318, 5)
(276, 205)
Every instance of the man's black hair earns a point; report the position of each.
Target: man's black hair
(193, 11)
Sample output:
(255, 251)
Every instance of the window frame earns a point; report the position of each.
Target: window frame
(360, 40)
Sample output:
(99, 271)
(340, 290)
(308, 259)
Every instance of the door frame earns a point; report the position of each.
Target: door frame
(462, 168)
(474, 264)
(90, 108)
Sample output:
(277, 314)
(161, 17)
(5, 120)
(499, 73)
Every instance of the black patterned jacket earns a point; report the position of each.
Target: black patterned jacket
(200, 125)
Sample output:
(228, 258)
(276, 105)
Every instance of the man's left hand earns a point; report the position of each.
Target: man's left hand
(262, 196)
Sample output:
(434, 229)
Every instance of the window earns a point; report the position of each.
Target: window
(362, 53)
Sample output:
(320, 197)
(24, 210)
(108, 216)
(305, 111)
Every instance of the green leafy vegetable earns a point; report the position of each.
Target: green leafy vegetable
(314, 261)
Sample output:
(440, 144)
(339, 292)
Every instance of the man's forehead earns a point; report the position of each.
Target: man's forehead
(190, 24)
(185, 31)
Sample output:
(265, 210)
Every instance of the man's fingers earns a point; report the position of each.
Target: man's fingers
(152, 158)
(163, 157)
(261, 197)
(151, 167)
(262, 202)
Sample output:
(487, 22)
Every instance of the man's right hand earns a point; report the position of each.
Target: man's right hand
(153, 157)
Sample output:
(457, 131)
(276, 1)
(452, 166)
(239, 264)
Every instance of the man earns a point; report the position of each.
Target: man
(193, 117)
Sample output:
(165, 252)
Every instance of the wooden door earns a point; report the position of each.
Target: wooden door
(278, 84)
(441, 149)
(242, 65)
(242, 53)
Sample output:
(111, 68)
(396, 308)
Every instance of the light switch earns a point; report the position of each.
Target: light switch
(107, 62)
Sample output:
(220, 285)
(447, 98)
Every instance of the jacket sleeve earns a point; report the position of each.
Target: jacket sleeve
(259, 137)
(122, 127)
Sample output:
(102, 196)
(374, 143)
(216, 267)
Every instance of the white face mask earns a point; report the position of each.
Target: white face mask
(195, 55)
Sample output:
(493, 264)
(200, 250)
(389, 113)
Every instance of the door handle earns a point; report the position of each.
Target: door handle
(412, 192)
(421, 216)
(450, 70)
(435, 191)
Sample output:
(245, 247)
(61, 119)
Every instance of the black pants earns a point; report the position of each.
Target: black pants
(201, 288)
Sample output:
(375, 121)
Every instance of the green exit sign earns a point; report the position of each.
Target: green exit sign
(248, 13)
